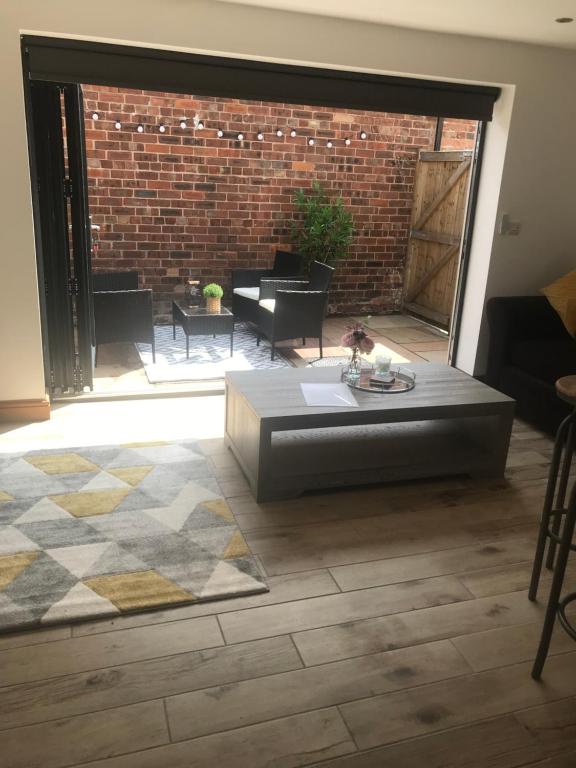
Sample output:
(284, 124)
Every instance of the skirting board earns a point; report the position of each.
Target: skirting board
(24, 410)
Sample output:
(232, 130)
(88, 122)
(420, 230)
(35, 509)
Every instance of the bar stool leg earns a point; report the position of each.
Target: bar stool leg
(564, 475)
(547, 508)
(556, 588)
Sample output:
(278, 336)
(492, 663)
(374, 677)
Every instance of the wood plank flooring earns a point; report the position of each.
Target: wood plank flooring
(396, 634)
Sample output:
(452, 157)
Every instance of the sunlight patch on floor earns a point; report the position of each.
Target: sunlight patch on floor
(103, 423)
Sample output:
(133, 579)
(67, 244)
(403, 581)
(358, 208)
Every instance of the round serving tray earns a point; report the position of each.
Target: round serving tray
(404, 380)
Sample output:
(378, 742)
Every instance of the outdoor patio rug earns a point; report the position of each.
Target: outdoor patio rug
(93, 532)
(209, 357)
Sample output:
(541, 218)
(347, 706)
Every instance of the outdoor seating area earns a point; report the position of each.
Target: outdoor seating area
(121, 366)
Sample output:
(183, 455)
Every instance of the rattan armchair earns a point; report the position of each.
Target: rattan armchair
(246, 284)
(123, 315)
(292, 309)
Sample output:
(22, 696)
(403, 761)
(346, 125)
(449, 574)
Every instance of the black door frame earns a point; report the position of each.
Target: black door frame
(466, 249)
(62, 233)
(77, 61)
(52, 234)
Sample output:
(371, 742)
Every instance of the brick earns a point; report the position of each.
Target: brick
(185, 203)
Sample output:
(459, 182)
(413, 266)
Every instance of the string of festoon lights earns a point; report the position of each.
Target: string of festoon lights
(198, 124)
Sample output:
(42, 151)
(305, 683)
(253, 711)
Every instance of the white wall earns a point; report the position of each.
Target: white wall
(537, 173)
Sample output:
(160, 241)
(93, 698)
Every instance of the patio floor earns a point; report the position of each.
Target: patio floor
(405, 338)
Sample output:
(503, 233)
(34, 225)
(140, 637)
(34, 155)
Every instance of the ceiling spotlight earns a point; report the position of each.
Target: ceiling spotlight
(329, 144)
(140, 128)
(347, 141)
(260, 136)
(363, 135)
(95, 116)
(279, 133)
(220, 133)
(240, 137)
(310, 142)
(117, 125)
(293, 132)
(183, 123)
(162, 128)
(564, 20)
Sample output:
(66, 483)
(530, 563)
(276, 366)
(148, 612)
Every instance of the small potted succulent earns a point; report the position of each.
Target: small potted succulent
(213, 294)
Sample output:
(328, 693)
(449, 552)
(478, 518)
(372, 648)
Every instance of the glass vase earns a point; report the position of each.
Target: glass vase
(354, 366)
(192, 293)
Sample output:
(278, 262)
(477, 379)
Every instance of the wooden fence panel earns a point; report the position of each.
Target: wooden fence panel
(438, 215)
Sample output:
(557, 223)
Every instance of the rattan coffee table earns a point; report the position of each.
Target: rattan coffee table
(197, 321)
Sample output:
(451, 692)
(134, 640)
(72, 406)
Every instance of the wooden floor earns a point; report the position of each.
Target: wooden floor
(396, 634)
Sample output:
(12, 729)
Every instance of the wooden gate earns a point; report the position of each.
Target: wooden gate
(438, 217)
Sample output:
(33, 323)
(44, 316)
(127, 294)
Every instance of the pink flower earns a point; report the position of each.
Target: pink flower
(357, 338)
(366, 345)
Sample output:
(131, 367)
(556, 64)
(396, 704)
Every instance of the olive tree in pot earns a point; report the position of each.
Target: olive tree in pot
(324, 229)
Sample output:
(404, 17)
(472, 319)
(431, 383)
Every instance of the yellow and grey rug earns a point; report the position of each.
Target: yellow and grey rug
(93, 532)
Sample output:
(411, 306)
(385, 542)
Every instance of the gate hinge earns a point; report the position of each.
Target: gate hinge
(72, 286)
(67, 187)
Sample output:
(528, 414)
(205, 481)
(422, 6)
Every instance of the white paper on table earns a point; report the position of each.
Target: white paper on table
(329, 395)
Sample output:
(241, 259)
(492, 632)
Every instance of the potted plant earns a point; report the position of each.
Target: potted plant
(213, 294)
(324, 229)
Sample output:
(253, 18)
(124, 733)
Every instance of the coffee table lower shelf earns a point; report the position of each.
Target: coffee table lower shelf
(311, 459)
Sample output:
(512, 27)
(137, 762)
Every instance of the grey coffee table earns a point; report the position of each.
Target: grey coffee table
(449, 424)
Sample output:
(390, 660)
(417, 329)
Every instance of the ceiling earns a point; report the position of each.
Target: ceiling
(530, 21)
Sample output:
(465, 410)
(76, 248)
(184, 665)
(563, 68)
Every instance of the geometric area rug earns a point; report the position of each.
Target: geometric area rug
(93, 532)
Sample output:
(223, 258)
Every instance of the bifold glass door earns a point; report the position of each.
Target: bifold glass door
(63, 234)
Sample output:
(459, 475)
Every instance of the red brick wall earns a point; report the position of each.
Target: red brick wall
(458, 134)
(189, 204)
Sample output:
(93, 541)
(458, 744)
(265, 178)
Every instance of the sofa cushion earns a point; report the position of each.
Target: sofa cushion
(248, 293)
(268, 304)
(562, 296)
(545, 359)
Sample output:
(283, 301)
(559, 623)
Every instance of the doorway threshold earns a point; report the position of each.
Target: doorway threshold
(192, 389)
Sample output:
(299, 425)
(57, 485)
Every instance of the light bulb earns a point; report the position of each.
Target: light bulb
(95, 116)
(183, 124)
(200, 125)
(162, 128)
(117, 125)
(279, 133)
(240, 137)
(220, 133)
(260, 136)
(329, 144)
(310, 142)
(363, 135)
(347, 141)
(293, 132)
(140, 128)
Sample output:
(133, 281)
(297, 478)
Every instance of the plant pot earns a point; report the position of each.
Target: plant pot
(213, 305)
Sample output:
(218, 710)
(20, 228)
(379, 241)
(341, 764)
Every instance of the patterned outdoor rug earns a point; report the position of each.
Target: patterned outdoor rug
(100, 531)
(209, 357)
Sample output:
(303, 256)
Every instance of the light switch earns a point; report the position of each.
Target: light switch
(509, 226)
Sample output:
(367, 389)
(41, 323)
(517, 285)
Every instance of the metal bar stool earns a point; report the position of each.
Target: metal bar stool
(553, 513)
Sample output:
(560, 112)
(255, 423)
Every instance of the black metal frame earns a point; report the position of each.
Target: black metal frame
(467, 242)
(76, 61)
(438, 134)
(81, 235)
(79, 61)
